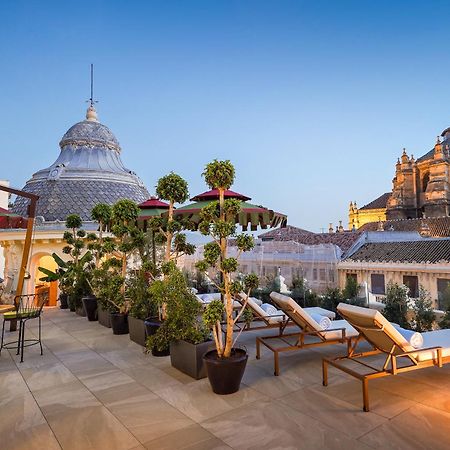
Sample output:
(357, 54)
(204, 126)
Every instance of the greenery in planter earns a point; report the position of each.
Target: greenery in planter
(423, 312)
(101, 213)
(129, 237)
(218, 222)
(137, 288)
(73, 275)
(183, 310)
(173, 189)
(397, 304)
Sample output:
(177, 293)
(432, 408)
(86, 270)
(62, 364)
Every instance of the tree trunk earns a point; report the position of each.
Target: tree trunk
(169, 233)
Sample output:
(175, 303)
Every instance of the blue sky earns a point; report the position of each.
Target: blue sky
(312, 101)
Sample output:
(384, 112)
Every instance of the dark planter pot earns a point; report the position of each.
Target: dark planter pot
(119, 323)
(63, 301)
(188, 358)
(225, 374)
(151, 327)
(137, 330)
(90, 306)
(80, 311)
(104, 317)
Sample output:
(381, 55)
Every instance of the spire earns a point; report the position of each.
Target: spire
(91, 113)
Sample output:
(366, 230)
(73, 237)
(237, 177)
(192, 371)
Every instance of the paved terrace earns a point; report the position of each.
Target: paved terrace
(93, 390)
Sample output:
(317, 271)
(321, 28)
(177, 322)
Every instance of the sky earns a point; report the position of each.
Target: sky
(312, 101)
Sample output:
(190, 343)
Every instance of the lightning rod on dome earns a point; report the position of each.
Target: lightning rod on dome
(91, 113)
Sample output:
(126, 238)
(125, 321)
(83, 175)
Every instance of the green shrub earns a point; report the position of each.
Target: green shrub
(423, 309)
(396, 304)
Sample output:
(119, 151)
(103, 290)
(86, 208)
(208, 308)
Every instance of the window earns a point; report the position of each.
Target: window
(314, 274)
(331, 275)
(443, 288)
(413, 284)
(353, 275)
(377, 283)
(322, 274)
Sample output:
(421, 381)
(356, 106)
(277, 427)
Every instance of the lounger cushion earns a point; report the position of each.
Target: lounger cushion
(439, 338)
(323, 312)
(349, 330)
(375, 327)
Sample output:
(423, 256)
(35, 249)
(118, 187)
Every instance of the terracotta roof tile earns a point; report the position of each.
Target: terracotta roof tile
(378, 203)
(343, 240)
(436, 226)
(432, 251)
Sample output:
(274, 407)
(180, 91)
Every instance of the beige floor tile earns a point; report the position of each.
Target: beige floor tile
(36, 437)
(271, 425)
(60, 399)
(198, 401)
(149, 417)
(47, 376)
(90, 427)
(125, 358)
(419, 427)
(194, 436)
(151, 377)
(386, 404)
(268, 384)
(335, 413)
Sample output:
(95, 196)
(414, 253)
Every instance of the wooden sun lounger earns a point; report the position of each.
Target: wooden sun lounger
(310, 334)
(400, 355)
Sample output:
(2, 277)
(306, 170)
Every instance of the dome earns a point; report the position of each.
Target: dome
(90, 132)
(88, 171)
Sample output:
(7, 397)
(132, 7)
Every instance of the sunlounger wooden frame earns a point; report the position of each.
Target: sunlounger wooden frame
(305, 331)
(391, 365)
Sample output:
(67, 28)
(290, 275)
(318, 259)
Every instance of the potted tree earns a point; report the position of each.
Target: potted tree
(142, 306)
(182, 330)
(174, 189)
(101, 213)
(226, 364)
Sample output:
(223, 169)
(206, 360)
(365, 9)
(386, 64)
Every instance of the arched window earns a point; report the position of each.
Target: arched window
(425, 180)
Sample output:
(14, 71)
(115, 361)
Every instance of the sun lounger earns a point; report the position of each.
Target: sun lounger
(386, 339)
(311, 334)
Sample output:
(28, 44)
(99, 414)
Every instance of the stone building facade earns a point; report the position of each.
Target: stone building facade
(421, 189)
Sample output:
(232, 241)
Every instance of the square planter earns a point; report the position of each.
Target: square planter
(103, 317)
(188, 358)
(137, 330)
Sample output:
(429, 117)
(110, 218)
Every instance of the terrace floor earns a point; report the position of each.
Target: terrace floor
(94, 390)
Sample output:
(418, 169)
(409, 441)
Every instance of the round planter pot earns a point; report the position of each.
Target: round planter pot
(225, 374)
(90, 306)
(63, 303)
(152, 325)
(119, 323)
(80, 311)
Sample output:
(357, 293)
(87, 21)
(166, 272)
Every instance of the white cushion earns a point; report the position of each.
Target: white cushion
(269, 309)
(438, 338)
(323, 312)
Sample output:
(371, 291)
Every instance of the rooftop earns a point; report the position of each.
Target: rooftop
(418, 251)
(344, 240)
(94, 390)
(436, 226)
(378, 203)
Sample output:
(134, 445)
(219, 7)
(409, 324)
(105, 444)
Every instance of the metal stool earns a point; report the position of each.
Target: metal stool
(27, 307)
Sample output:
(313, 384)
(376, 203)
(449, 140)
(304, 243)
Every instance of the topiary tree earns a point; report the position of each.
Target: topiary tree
(396, 304)
(129, 237)
(173, 189)
(424, 316)
(218, 221)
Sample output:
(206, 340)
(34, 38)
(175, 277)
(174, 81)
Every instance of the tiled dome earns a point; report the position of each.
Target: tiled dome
(88, 171)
